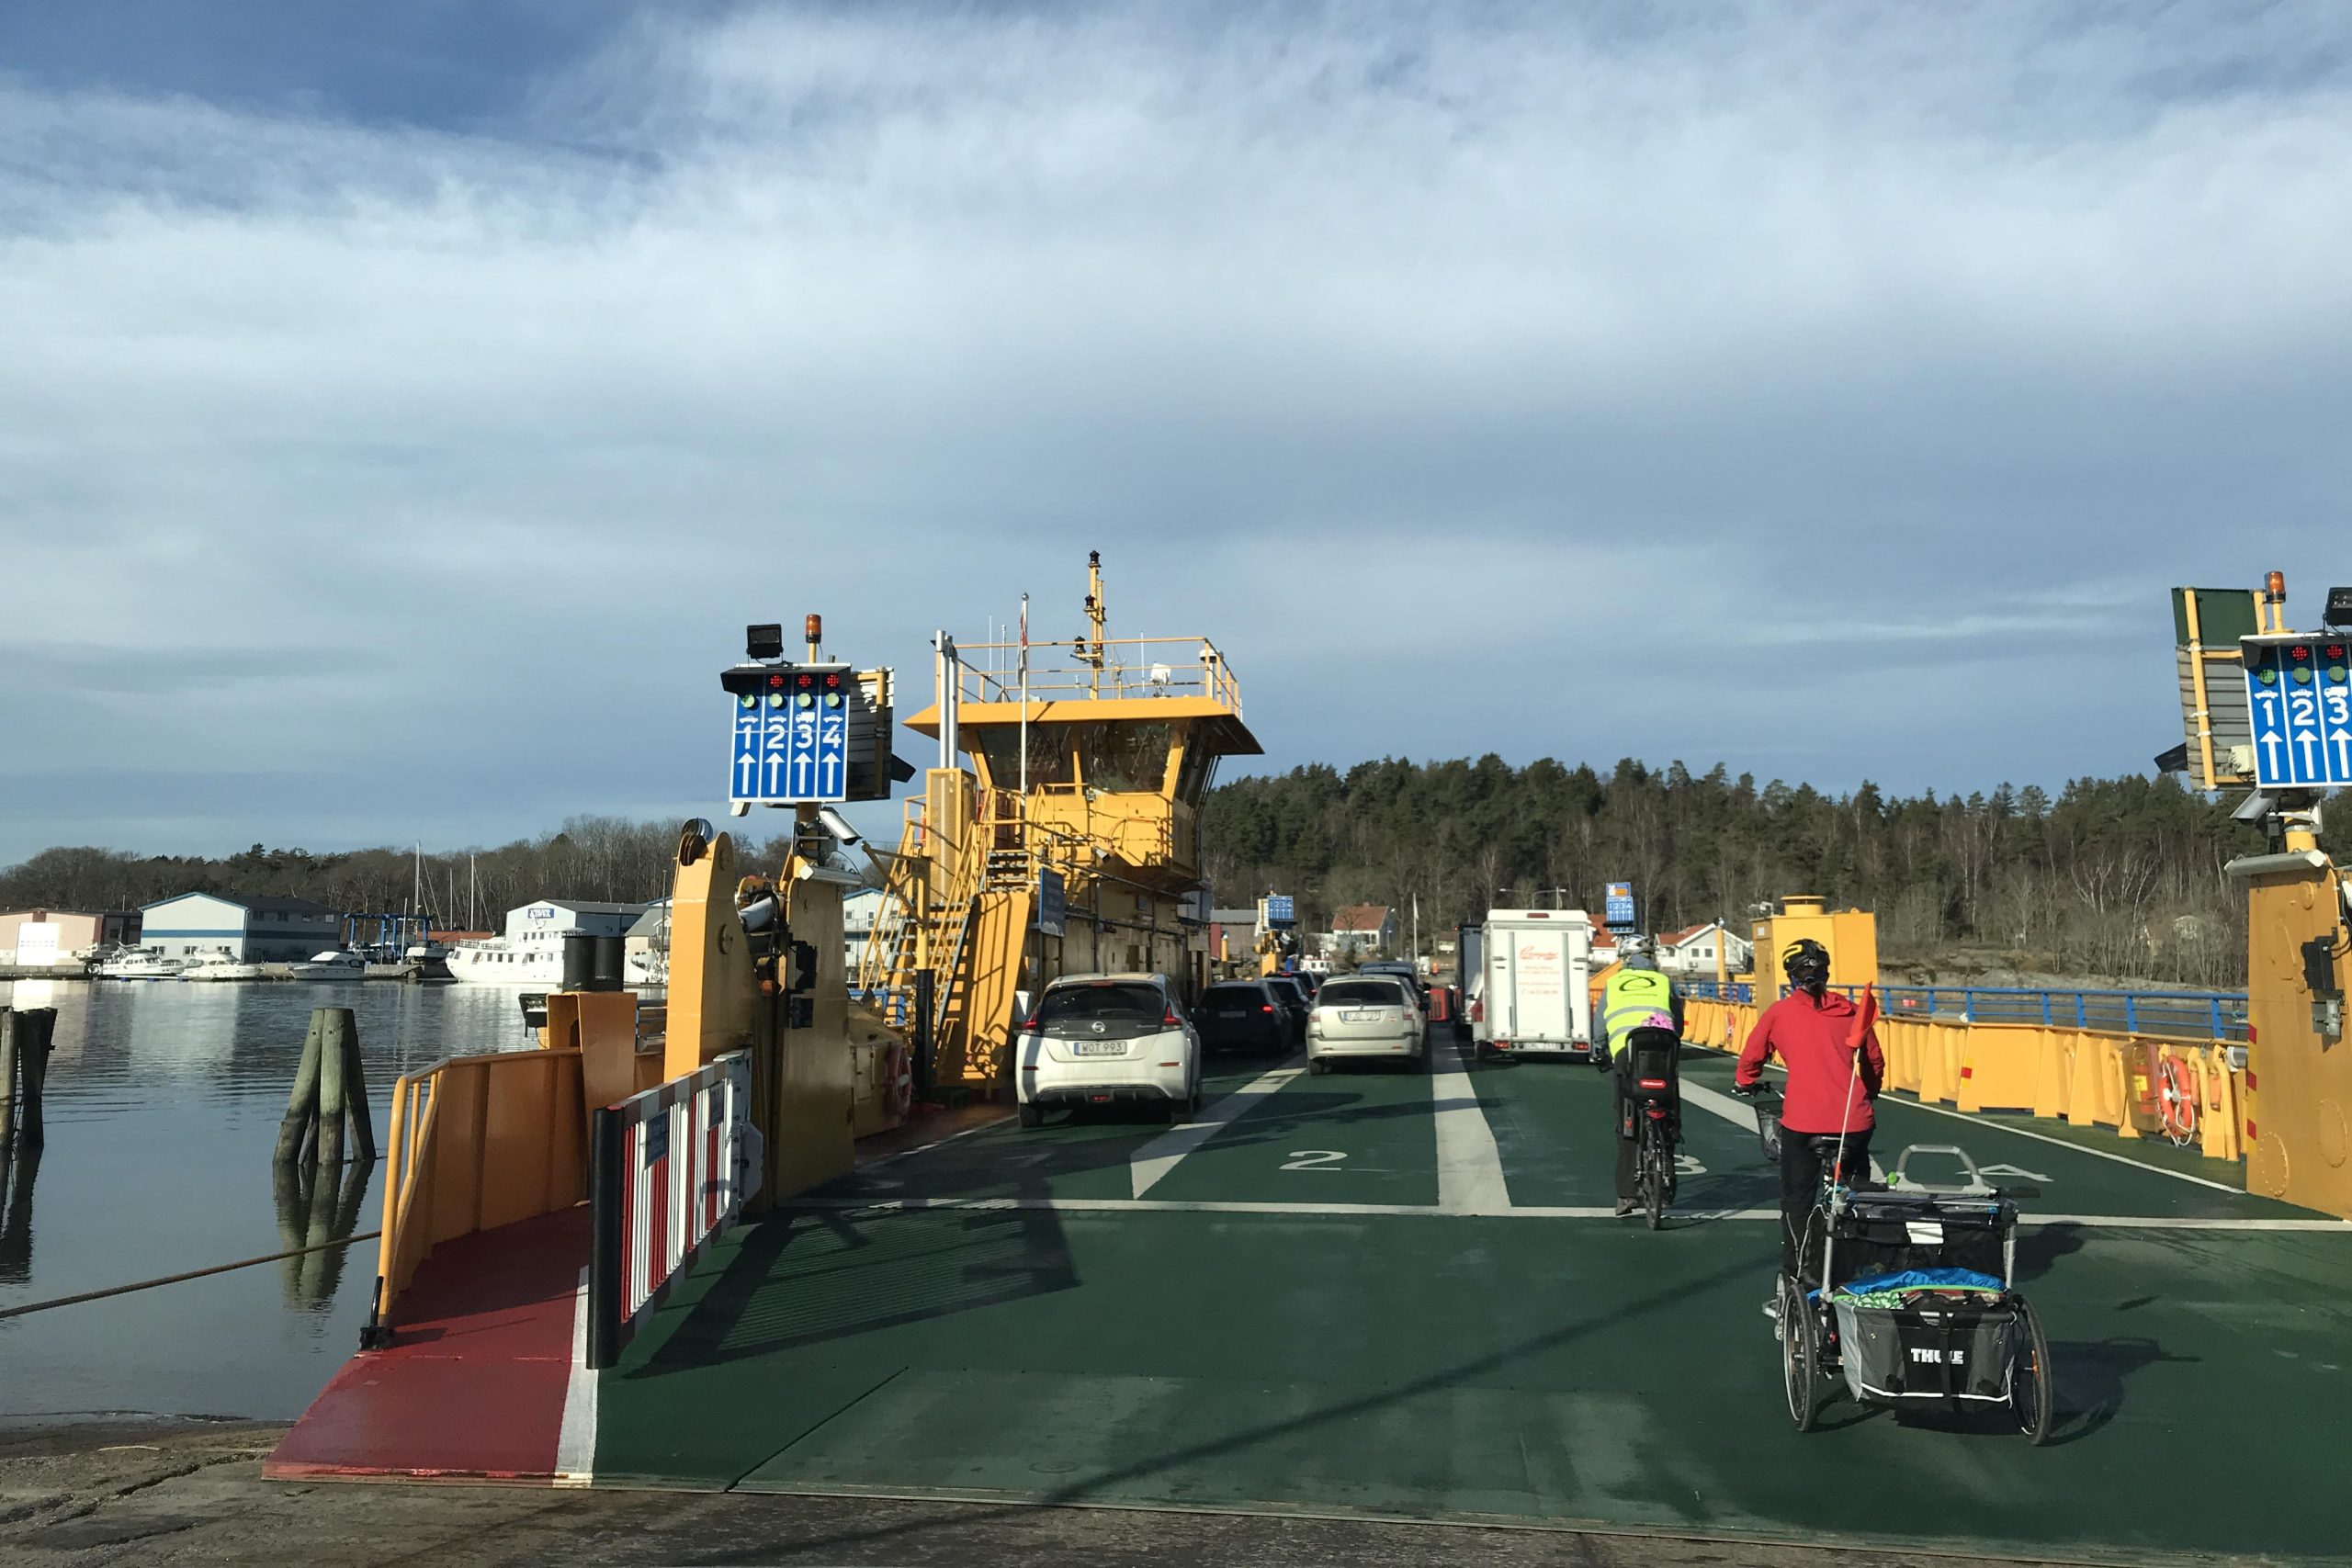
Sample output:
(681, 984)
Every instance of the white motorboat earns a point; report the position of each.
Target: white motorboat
(222, 969)
(534, 960)
(334, 966)
(141, 963)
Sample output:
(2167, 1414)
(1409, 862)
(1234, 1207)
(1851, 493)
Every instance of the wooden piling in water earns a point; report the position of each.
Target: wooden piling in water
(34, 1028)
(302, 1105)
(355, 1086)
(7, 1075)
(331, 1096)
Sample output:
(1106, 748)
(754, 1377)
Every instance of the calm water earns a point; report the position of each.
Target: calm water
(163, 1099)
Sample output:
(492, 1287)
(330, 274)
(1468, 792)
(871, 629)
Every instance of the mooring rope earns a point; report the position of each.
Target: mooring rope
(178, 1278)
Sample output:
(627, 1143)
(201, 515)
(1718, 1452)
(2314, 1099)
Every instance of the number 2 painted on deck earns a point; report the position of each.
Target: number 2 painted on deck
(1313, 1159)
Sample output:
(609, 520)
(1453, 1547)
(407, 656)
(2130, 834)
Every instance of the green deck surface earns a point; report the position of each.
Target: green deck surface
(1451, 1365)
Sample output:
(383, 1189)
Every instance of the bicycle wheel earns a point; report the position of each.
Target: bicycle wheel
(1654, 1173)
(1799, 1356)
(2031, 1390)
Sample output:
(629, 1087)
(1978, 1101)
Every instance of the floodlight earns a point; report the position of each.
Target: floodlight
(837, 826)
(2339, 607)
(2255, 807)
(764, 641)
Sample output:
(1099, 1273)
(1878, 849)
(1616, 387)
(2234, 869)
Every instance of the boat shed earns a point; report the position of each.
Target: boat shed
(250, 929)
(34, 937)
(572, 915)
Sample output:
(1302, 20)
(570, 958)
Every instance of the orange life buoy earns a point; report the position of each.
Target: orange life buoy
(2177, 1098)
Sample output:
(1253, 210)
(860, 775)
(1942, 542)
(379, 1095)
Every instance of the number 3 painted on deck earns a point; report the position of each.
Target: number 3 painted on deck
(1688, 1164)
(1313, 1159)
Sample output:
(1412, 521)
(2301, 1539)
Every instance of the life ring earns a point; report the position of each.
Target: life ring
(2177, 1098)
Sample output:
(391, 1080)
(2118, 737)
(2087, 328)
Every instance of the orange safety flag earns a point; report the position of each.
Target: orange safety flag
(1867, 1016)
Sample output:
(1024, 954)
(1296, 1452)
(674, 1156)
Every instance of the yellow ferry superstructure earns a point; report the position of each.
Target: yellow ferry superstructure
(1060, 833)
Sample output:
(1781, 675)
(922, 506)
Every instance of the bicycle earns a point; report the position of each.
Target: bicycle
(1651, 1099)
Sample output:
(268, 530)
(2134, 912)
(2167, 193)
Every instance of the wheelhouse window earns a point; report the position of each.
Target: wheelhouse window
(1122, 758)
(1049, 755)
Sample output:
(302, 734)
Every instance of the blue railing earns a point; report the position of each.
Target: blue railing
(2180, 1015)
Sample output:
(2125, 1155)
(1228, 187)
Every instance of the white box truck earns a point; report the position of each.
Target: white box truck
(1536, 999)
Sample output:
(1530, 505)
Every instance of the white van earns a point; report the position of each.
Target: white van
(1537, 996)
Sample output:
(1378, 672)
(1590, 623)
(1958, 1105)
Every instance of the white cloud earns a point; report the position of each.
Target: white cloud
(1916, 320)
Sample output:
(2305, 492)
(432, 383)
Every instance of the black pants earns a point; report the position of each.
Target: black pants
(1801, 1173)
(1627, 1111)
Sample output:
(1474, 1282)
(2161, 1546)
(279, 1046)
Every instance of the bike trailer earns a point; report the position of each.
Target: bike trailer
(1942, 1337)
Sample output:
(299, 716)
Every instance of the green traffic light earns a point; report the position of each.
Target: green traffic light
(775, 699)
(747, 700)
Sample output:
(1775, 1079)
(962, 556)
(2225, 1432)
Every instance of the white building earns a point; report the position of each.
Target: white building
(860, 910)
(1361, 931)
(249, 930)
(1692, 952)
(560, 915)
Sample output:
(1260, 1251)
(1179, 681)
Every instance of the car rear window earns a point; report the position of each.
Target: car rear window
(1289, 989)
(1109, 1002)
(1231, 995)
(1361, 994)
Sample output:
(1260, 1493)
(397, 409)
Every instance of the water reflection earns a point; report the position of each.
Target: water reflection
(163, 1106)
(20, 1169)
(315, 1209)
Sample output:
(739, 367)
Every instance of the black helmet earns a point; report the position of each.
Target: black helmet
(1806, 962)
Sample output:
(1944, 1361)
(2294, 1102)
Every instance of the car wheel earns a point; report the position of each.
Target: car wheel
(1033, 1115)
(1317, 1065)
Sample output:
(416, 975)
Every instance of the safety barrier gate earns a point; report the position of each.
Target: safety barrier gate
(670, 1168)
(2192, 1095)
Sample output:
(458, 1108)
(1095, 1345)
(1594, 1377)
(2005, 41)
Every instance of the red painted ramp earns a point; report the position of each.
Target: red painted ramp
(473, 1385)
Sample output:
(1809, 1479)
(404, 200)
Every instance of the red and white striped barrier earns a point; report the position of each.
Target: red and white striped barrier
(669, 1170)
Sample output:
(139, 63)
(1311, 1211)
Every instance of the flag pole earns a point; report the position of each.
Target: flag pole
(1024, 707)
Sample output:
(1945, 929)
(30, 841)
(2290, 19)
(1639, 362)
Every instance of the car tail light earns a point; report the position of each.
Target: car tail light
(1170, 1019)
(1265, 1007)
(1651, 1083)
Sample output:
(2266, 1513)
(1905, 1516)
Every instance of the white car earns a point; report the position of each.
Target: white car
(1371, 1016)
(1107, 1039)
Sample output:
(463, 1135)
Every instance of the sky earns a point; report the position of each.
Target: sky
(404, 408)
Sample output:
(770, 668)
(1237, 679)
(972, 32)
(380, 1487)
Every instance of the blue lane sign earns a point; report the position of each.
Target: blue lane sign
(1617, 905)
(2298, 693)
(791, 736)
(1280, 910)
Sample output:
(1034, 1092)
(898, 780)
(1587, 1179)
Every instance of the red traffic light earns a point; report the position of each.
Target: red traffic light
(2336, 650)
(807, 681)
(833, 679)
(2299, 653)
(775, 680)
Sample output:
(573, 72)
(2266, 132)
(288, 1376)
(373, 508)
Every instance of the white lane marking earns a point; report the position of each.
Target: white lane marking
(1158, 1158)
(1425, 1210)
(1469, 1166)
(1739, 1113)
(575, 1443)
(1693, 1093)
(2078, 1148)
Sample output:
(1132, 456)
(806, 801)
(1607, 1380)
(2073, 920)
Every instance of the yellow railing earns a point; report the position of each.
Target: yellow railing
(1129, 667)
(2083, 1077)
(477, 1142)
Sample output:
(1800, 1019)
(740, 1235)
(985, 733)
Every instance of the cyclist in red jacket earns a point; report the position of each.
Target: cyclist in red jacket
(1829, 1093)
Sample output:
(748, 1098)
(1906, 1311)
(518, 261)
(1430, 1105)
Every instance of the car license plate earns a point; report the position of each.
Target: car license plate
(1099, 1048)
(1223, 1014)
(1359, 1017)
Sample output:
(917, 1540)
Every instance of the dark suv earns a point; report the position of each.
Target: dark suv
(1242, 1015)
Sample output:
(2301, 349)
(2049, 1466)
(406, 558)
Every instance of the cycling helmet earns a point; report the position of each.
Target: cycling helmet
(1637, 952)
(1806, 964)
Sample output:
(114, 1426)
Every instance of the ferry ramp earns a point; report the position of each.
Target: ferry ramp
(1404, 1296)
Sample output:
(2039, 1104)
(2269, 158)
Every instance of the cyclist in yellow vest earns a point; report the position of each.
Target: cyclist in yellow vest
(1637, 996)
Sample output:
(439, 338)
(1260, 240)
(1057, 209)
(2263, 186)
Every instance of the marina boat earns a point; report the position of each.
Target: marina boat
(534, 959)
(334, 965)
(222, 969)
(143, 964)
